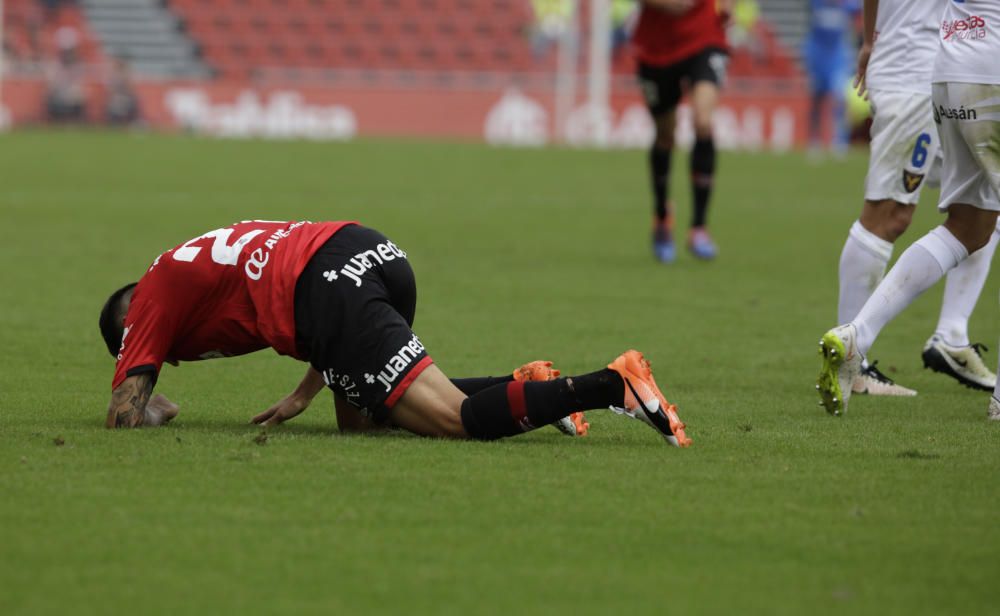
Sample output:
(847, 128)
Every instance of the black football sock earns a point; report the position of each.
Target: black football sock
(659, 172)
(515, 407)
(702, 178)
(474, 385)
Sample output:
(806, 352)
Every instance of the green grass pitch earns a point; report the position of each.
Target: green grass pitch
(520, 255)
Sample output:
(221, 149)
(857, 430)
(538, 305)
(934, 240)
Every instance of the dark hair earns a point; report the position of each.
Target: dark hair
(111, 319)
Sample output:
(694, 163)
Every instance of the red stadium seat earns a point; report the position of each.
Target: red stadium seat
(474, 35)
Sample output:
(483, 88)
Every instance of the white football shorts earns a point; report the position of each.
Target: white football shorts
(968, 119)
(904, 146)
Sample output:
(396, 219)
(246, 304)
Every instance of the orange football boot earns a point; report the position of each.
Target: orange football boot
(573, 425)
(536, 371)
(645, 401)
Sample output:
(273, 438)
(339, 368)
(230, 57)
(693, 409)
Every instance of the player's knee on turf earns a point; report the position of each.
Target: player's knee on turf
(439, 419)
(447, 421)
(886, 218)
(431, 406)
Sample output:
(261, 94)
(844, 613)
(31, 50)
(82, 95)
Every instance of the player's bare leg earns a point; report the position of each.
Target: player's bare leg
(431, 406)
(704, 99)
(659, 169)
(970, 225)
(887, 219)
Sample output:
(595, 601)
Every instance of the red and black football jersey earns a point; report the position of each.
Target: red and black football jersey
(228, 292)
(662, 39)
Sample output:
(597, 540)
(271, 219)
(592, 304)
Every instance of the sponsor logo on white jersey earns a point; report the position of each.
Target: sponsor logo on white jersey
(960, 30)
(397, 364)
(364, 261)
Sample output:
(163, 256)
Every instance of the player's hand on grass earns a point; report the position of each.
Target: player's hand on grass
(295, 402)
(160, 410)
(860, 83)
(287, 408)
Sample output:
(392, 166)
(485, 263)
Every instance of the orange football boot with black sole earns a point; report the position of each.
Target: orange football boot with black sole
(645, 401)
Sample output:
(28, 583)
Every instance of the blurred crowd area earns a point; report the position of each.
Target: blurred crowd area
(91, 53)
(49, 39)
(241, 38)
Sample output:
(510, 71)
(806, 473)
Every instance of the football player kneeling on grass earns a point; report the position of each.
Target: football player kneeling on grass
(341, 297)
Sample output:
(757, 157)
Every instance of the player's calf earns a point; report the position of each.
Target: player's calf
(887, 219)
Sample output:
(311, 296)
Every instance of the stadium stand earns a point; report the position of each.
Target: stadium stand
(30, 32)
(788, 20)
(239, 36)
(240, 39)
(252, 67)
(147, 34)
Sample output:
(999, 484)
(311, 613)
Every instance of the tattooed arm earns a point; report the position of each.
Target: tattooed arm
(131, 406)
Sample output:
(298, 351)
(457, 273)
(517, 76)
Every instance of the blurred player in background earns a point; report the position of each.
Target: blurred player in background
(965, 95)
(66, 88)
(827, 56)
(894, 66)
(343, 298)
(680, 46)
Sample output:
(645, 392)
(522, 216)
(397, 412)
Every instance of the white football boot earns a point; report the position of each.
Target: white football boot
(841, 364)
(964, 364)
(994, 412)
(872, 382)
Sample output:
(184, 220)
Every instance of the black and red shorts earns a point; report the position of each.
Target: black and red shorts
(354, 307)
(662, 86)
